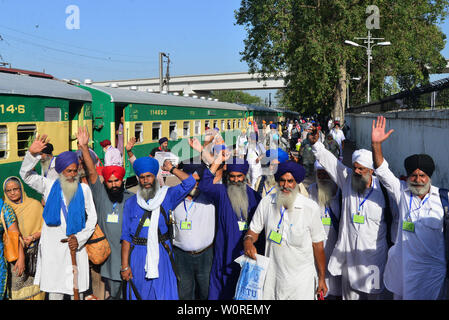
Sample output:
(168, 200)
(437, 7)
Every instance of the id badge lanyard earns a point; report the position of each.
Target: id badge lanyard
(280, 220)
(358, 218)
(409, 217)
(190, 207)
(268, 192)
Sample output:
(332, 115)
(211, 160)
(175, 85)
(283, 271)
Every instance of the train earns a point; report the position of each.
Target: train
(34, 103)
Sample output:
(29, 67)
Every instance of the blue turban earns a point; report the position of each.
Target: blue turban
(296, 170)
(238, 165)
(218, 148)
(64, 160)
(162, 140)
(146, 164)
(273, 126)
(277, 154)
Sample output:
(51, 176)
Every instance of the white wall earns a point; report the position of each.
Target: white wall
(414, 132)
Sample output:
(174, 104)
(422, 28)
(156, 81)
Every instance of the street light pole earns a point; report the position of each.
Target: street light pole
(370, 44)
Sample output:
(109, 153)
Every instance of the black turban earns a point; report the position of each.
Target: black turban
(48, 149)
(419, 161)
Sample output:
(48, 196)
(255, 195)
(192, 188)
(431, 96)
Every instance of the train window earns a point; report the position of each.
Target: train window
(186, 129)
(25, 135)
(52, 114)
(233, 124)
(197, 126)
(207, 125)
(215, 124)
(240, 123)
(3, 142)
(156, 132)
(229, 125)
(223, 128)
(138, 132)
(172, 130)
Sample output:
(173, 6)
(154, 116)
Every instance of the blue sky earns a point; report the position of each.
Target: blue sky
(122, 39)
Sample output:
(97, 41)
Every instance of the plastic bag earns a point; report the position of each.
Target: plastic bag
(252, 277)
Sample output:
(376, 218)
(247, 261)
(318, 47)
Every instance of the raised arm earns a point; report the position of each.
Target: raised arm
(27, 173)
(386, 177)
(83, 140)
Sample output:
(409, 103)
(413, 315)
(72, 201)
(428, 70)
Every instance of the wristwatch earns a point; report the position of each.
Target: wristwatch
(172, 168)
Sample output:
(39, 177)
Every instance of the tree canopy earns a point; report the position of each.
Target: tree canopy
(236, 96)
(305, 40)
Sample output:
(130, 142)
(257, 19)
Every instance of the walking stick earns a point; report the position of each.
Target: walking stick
(75, 272)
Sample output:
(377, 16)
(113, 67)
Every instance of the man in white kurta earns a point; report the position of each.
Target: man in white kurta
(54, 272)
(416, 266)
(292, 271)
(360, 253)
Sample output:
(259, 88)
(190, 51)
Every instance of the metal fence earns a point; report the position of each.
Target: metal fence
(432, 96)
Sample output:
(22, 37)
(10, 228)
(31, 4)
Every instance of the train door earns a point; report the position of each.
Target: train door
(119, 126)
(76, 119)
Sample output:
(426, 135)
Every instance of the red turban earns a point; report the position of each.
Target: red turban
(117, 171)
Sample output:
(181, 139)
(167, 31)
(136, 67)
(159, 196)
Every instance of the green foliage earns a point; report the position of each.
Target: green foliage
(236, 97)
(305, 39)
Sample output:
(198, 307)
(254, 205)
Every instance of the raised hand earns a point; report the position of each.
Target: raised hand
(38, 144)
(195, 144)
(131, 144)
(378, 134)
(314, 137)
(83, 136)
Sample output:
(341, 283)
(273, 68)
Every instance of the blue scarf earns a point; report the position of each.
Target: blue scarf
(75, 217)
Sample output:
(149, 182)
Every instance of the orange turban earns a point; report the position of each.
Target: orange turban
(117, 171)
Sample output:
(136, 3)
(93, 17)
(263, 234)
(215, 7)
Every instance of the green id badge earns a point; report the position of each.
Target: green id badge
(112, 218)
(408, 226)
(359, 219)
(275, 237)
(146, 223)
(186, 225)
(326, 221)
(243, 225)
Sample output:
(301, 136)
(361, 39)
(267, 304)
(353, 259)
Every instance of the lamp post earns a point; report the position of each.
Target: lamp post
(370, 45)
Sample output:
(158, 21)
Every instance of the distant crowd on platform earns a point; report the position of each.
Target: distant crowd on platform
(330, 231)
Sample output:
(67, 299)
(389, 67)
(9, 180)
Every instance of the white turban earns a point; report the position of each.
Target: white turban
(364, 158)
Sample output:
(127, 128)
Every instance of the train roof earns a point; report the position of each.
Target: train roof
(32, 86)
(120, 95)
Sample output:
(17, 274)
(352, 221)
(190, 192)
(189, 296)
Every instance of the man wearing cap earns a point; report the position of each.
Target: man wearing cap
(194, 238)
(328, 197)
(163, 147)
(69, 213)
(294, 238)
(360, 253)
(109, 198)
(416, 267)
(147, 254)
(47, 162)
(112, 156)
(235, 203)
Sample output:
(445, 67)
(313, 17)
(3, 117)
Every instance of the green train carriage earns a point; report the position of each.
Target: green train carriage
(150, 116)
(30, 106)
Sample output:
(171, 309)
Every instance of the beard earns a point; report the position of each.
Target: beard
(194, 192)
(419, 189)
(238, 197)
(45, 164)
(148, 193)
(326, 191)
(359, 182)
(286, 200)
(69, 186)
(115, 194)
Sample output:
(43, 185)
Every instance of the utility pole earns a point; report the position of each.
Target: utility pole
(162, 82)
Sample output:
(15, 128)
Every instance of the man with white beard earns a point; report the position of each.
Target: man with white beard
(416, 266)
(360, 253)
(294, 239)
(47, 162)
(235, 203)
(69, 213)
(328, 197)
(147, 253)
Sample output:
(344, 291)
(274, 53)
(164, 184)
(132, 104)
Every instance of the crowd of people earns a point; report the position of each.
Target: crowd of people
(329, 230)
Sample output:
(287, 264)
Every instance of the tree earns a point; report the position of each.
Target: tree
(305, 40)
(236, 96)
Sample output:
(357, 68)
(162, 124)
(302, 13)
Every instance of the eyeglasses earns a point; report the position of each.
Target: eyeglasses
(13, 190)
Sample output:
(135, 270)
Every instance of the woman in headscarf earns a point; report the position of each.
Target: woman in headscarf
(29, 219)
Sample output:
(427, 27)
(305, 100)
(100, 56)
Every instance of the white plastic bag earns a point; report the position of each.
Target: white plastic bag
(252, 277)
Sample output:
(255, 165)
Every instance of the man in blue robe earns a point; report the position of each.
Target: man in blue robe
(149, 270)
(235, 204)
